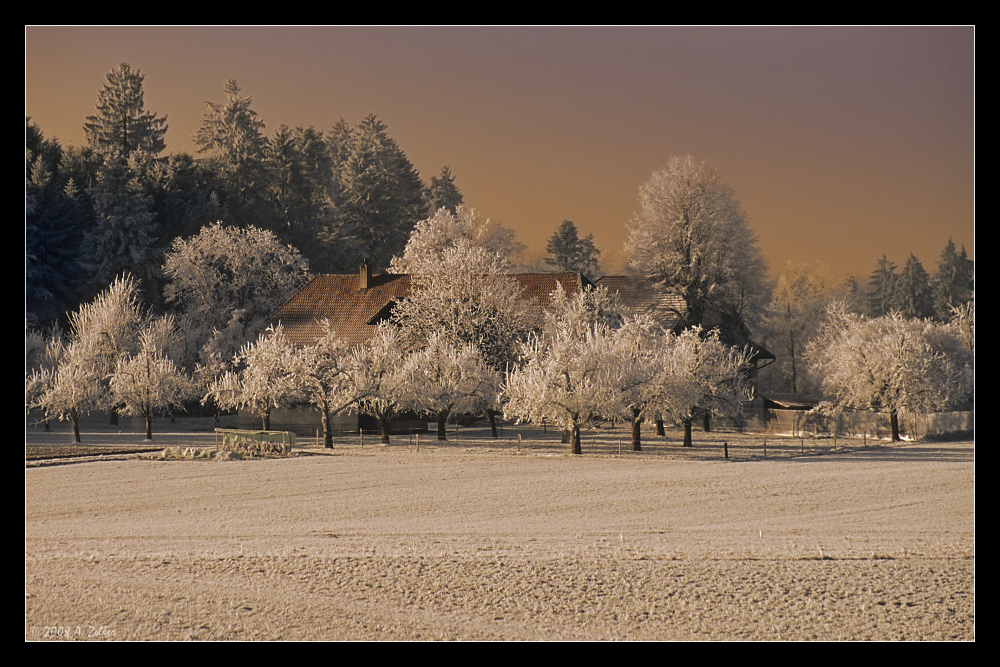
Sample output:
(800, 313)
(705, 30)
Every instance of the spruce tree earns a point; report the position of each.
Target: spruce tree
(443, 193)
(883, 286)
(915, 298)
(122, 124)
(381, 194)
(125, 237)
(233, 135)
(569, 252)
(953, 282)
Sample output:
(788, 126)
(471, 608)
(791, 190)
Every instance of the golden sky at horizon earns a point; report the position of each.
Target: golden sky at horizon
(843, 143)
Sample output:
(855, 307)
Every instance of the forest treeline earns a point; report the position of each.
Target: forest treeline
(116, 204)
(299, 201)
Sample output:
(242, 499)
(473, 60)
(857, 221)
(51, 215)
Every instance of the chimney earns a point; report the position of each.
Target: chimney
(365, 275)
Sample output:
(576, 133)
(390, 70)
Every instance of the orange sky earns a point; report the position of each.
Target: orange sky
(843, 143)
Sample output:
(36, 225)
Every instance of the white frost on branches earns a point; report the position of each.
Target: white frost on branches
(892, 364)
(692, 239)
(149, 383)
(442, 379)
(432, 237)
(263, 380)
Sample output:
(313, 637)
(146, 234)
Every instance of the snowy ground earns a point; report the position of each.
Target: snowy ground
(473, 539)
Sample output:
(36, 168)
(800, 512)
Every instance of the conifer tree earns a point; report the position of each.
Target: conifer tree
(883, 287)
(55, 216)
(443, 193)
(122, 124)
(914, 295)
(569, 252)
(125, 236)
(233, 135)
(953, 282)
(381, 195)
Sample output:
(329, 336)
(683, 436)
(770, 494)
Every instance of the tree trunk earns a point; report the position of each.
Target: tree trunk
(442, 425)
(385, 423)
(575, 437)
(659, 428)
(636, 431)
(687, 432)
(894, 424)
(149, 427)
(327, 431)
(493, 422)
(707, 422)
(114, 417)
(265, 421)
(76, 427)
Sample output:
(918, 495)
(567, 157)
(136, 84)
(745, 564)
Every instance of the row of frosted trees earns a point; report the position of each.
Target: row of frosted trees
(465, 341)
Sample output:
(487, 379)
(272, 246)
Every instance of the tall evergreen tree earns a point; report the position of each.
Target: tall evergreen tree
(953, 282)
(55, 218)
(233, 135)
(381, 194)
(883, 286)
(122, 124)
(443, 193)
(569, 252)
(915, 297)
(125, 237)
(301, 189)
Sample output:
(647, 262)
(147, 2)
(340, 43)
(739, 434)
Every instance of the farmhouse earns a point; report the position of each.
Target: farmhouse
(356, 303)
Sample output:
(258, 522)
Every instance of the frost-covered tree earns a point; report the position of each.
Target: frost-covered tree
(74, 377)
(701, 375)
(568, 379)
(232, 135)
(149, 383)
(122, 124)
(891, 364)
(378, 376)
(446, 229)
(68, 389)
(465, 294)
(692, 240)
(443, 193)
(380, 193)
(797, 310)
(329, 375)
(107, 329)
(228, 281)
(264, 378)
(568, 252)
(442, 379)
(640, 346)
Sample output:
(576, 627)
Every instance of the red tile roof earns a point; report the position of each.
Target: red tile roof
(355, 313)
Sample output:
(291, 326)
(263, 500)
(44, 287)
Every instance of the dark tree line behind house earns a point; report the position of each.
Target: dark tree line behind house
(115, 205)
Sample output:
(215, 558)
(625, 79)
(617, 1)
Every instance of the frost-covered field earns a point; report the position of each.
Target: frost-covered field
(475, 540)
